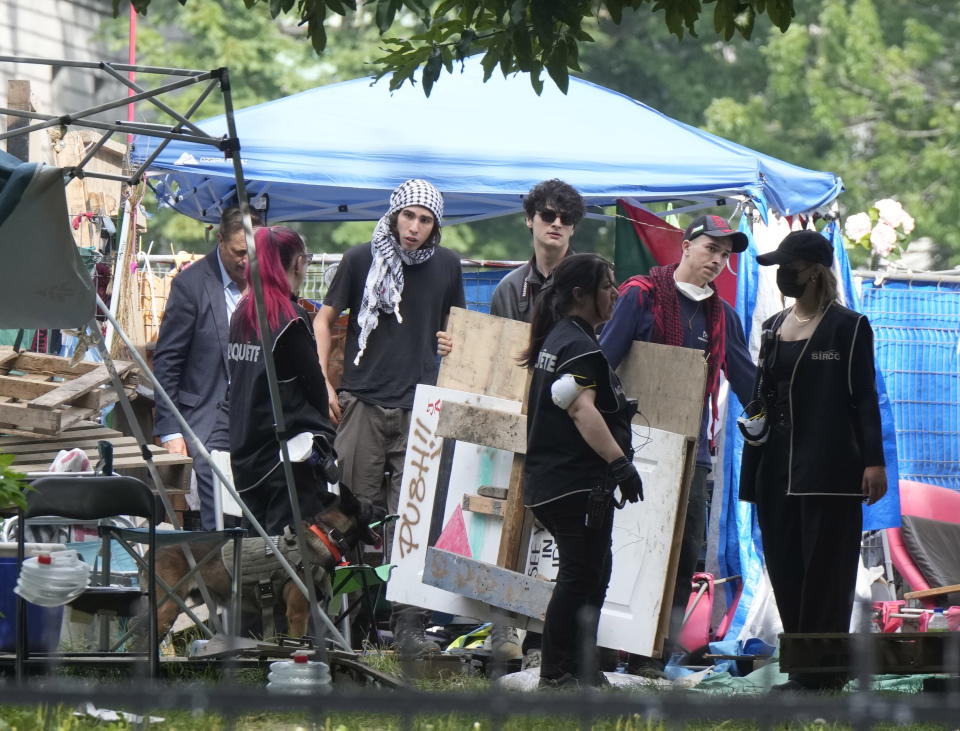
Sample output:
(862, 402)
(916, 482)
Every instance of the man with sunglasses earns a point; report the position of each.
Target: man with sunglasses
(553, 209)
(678, 305)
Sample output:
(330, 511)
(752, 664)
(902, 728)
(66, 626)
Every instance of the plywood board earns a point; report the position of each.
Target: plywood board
(484, 356)
(513, 592)
(487, 427)
(484, 360)
(668, 383)
(643, 549)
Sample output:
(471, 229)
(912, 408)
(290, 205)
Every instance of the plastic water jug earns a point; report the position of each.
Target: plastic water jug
(938, 621)
(53, 579)
(299, 676)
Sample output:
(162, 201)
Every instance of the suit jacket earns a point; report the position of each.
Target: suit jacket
(190, 360)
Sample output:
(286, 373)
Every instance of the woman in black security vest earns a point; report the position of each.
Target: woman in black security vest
(254, 448)
(819, 455)
(578, 451)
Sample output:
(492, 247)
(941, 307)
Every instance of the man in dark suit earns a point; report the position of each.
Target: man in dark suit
(190, 360)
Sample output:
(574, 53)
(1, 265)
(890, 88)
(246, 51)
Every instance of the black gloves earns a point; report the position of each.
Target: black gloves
(626, 476)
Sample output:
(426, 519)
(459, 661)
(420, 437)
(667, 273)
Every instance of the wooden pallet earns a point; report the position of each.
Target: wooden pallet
(43, 395)
(35, 455)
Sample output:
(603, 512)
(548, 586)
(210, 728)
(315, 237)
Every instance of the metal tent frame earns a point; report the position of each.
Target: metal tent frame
(182, 129)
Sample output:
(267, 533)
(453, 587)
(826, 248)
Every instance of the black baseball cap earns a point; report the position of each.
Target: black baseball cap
(804, 245)
(716, 226)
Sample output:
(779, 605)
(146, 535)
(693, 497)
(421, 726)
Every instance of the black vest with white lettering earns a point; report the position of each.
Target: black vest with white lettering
(559, 462)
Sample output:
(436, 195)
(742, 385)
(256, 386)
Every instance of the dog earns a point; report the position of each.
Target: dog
(339, 527)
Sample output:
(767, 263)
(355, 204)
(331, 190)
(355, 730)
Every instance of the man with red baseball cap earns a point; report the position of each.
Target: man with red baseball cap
(678, 305)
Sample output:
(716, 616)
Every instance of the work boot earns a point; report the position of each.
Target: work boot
(409, 632)
(504, 644)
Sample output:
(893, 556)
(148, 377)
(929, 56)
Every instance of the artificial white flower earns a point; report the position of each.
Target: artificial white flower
(890, 211)
(907, 223)
(883, 238)
(857, 226)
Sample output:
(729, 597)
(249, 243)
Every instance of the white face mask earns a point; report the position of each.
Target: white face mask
(693, 292)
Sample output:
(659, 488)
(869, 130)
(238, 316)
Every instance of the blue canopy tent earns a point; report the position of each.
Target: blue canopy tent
(334, 153)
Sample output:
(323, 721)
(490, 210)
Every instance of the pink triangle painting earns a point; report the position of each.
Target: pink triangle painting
(454, 535)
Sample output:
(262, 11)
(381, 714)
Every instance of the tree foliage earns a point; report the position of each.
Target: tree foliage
(530, 36)
(867, 89)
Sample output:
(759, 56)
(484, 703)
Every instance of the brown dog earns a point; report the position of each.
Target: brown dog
(339, 527)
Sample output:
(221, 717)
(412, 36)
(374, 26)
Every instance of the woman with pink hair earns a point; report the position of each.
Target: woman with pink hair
(254, 447)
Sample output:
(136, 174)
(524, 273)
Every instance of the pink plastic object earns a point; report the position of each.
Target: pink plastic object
(953, 619)
(696, 630)
(731, 611)
(883, 610)
(923, 501)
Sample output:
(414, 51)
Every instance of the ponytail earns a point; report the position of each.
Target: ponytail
(546, 314)
(589, 272)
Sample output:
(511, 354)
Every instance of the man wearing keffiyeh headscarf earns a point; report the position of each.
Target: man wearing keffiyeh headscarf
(398, 289)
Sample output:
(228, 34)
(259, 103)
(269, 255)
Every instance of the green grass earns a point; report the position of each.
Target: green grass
(62, 719)
(57, 718)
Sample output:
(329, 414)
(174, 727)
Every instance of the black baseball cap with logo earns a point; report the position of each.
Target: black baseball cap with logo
(715, 227)
(804, 245)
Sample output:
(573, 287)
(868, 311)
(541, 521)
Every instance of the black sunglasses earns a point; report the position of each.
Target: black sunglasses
(549, 216)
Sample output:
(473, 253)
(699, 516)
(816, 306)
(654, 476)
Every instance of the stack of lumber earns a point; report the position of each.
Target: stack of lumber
(35, 455)
(42, 395)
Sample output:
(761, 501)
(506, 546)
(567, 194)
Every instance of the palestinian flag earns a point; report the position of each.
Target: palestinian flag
(643, 240)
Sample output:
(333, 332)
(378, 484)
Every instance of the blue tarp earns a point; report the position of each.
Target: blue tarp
(335, 152)
(739, 549)
(917, 337)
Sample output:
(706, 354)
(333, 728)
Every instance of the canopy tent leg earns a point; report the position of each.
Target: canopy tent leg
(319, 617)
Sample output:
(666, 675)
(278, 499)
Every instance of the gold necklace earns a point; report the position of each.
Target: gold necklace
(799, 319)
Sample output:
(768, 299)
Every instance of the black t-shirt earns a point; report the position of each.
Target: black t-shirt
(398, 355)
(559, 461)
(254, 449)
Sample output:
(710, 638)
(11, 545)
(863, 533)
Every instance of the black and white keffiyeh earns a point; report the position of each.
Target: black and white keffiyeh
(384, 286)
